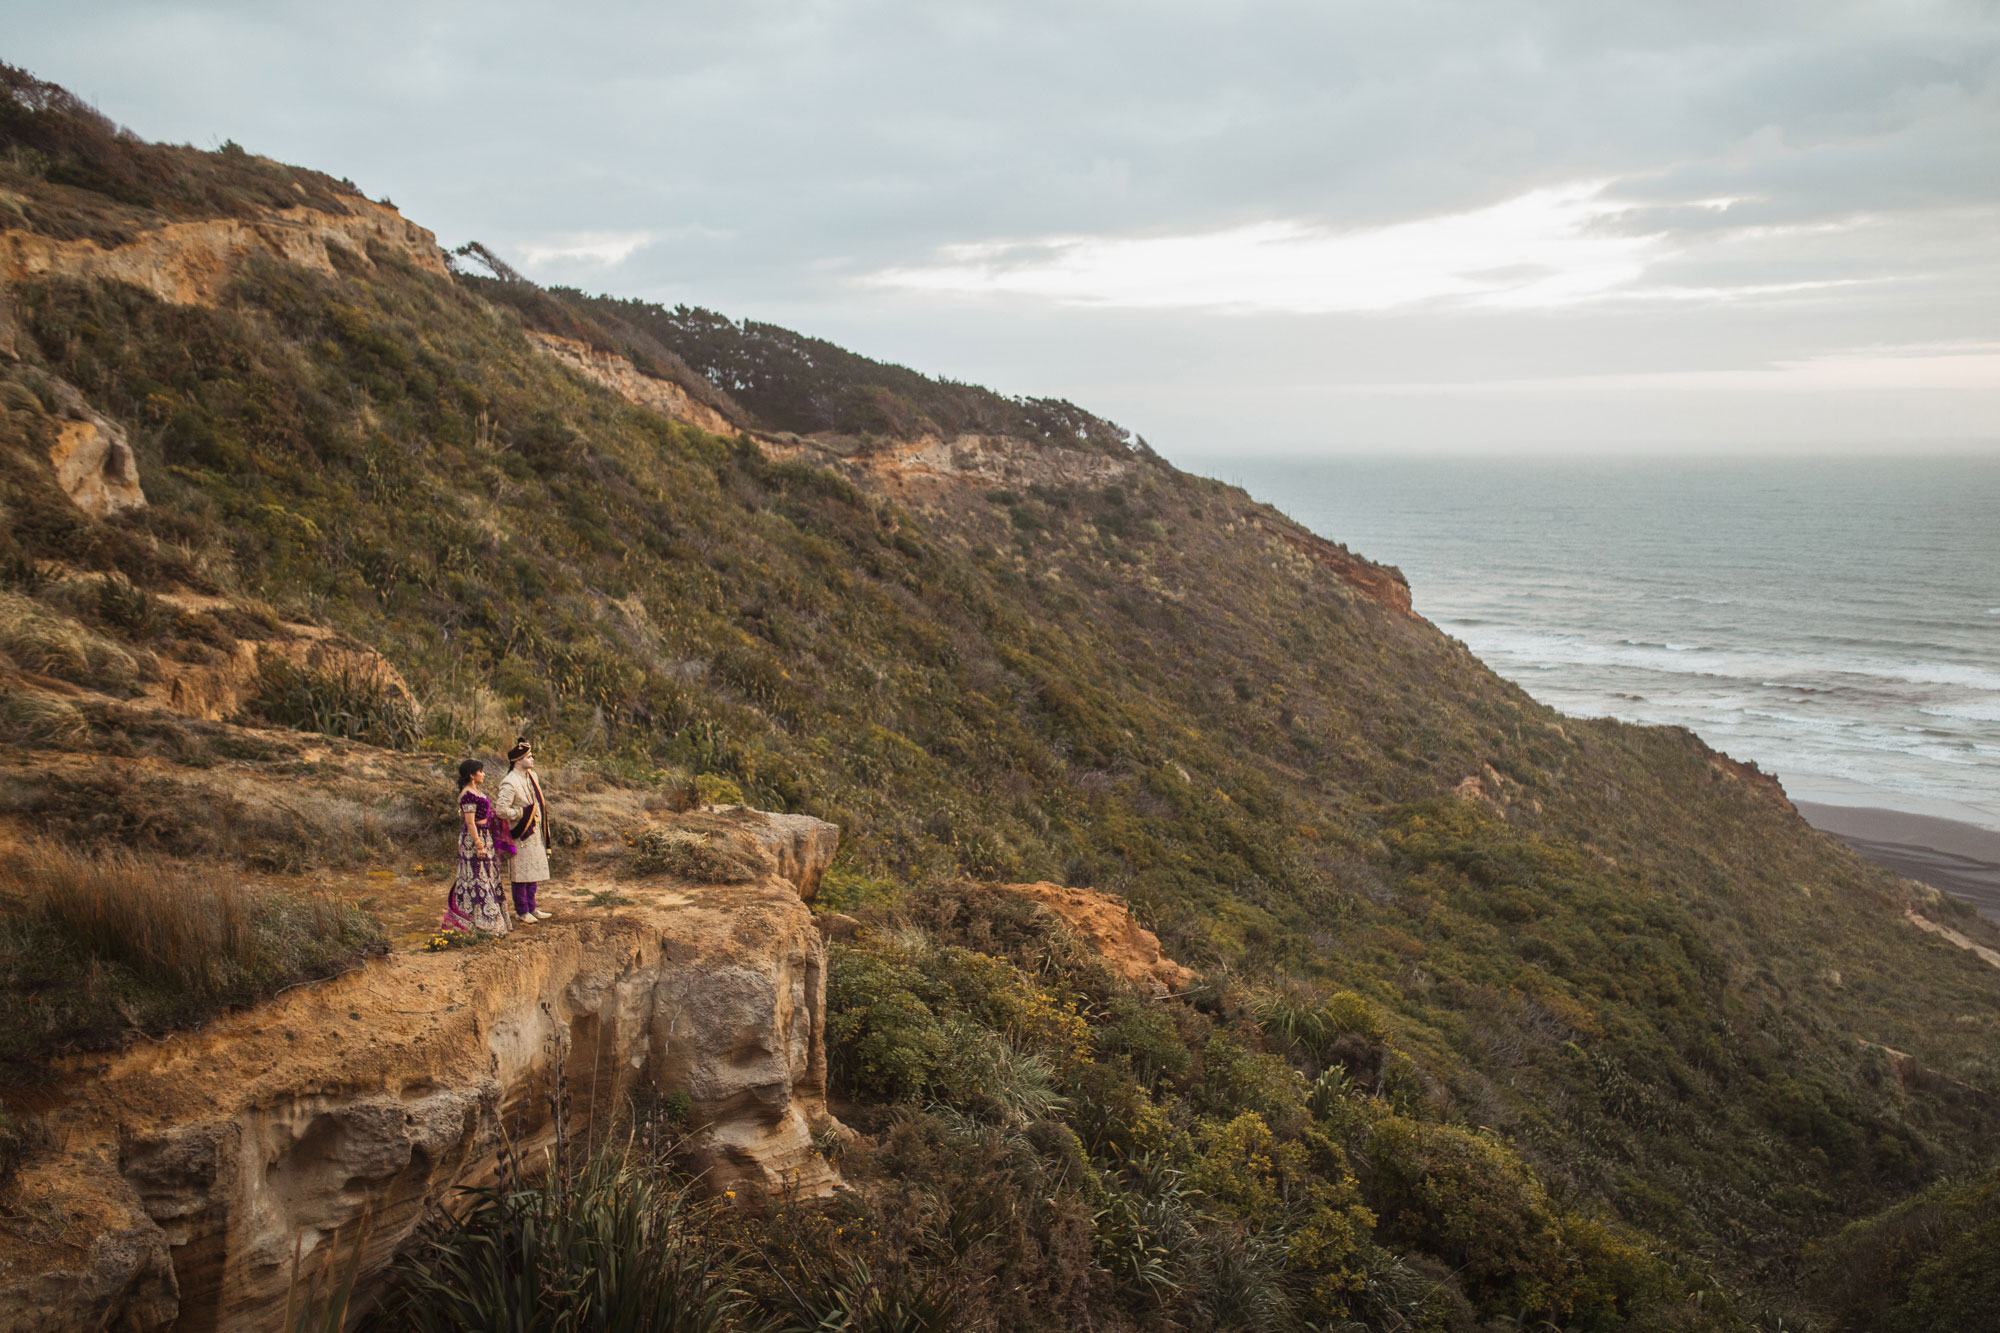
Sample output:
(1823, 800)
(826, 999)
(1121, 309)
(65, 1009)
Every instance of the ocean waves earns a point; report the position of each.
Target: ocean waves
(1846, 637)
(1545, 650)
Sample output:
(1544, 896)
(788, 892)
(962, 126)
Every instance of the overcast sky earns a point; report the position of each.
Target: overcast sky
(1420, 226)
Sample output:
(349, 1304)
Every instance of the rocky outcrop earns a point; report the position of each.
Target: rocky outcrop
(800, 846)
(93, 462)
(1128, 948)
(190, 263)
(918, 467)
(929, 466)
(95, 467)
(196, 1164)
(626, 380)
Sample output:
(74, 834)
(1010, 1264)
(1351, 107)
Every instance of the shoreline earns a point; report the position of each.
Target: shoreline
(1958, 858)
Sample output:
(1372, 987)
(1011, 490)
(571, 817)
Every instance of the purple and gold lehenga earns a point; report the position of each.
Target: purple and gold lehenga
(478, 897)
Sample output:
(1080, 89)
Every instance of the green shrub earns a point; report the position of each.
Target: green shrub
(714, 789)
(1144, 1032)
(1471, 1201)
(1925, 1263)
(1236, 1078)
(883, 1042)
(844, 889)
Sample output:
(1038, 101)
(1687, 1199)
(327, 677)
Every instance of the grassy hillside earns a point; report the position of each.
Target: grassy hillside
(1595, 1038)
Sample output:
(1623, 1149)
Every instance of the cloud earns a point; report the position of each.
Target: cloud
(1925, 367)
(603, 249)
(1553, 247)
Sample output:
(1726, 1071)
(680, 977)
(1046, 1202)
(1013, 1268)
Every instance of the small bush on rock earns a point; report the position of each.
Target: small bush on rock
(706, 858)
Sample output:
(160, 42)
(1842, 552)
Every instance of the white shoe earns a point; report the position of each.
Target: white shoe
(541, 915)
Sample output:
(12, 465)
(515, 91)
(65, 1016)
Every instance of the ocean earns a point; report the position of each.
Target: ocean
(1837, 621)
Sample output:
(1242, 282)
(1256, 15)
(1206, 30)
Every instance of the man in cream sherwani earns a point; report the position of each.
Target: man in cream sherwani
(520, 802)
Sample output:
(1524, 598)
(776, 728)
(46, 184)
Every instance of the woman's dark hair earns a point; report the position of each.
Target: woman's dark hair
(467, 769)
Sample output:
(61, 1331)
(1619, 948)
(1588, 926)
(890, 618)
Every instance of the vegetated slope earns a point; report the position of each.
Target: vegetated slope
(1925, 1264)
(790, 382)
(1604, 945)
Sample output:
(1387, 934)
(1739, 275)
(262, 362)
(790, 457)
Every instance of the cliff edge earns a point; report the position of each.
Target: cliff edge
(181, 1173)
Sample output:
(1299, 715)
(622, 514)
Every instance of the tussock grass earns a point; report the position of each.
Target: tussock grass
(29, 717)
(342, 703)
(39, 639)
(162, 921)
(271, 826)
(615, 1241)
(97, 948)
(112, 600)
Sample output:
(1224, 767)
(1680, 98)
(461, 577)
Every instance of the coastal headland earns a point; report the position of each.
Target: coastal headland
(1209, 940)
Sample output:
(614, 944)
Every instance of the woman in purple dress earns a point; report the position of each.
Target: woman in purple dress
(478, 899)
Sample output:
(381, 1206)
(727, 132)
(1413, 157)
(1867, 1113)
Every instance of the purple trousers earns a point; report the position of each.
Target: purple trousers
(524, 897)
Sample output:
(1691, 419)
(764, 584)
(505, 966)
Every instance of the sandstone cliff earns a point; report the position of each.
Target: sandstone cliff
(182, 1173)
(189, 263)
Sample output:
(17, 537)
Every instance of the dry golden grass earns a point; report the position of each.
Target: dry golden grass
(34, 718)
(39, 639)
(158, 919)
(187, 939)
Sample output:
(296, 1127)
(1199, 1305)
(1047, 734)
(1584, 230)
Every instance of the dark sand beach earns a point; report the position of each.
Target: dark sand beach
(1961, 859)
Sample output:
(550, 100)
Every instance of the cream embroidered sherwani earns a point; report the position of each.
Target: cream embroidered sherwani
(520, 790)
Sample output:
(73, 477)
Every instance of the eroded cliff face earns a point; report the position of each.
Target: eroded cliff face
(181, 1174)
(918, 467)
(217, 689)
(927, 468)
(619, 375)
(1127, 947)
(189, 263)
